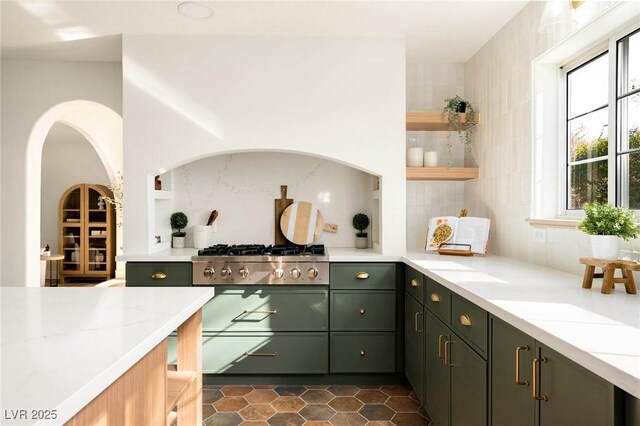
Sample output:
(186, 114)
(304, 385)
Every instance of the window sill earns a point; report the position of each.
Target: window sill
(554, 223)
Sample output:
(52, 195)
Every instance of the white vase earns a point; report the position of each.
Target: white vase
(178, 242)
(362, 242)
(605, 246)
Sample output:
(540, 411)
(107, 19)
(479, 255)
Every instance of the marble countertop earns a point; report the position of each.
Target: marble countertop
(61, 347)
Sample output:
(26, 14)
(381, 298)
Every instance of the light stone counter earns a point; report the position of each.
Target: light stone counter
(61, 347)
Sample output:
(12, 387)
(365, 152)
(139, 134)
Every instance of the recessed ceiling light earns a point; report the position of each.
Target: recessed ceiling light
(195, 10)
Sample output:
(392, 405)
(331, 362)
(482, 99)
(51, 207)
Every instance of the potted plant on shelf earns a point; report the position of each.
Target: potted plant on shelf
(451, 111)
(179, 221)
(606, 224)
(360, 222)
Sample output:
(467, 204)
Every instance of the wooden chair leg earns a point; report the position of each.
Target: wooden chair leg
(630, 284)
(607, 281)
(587, 281)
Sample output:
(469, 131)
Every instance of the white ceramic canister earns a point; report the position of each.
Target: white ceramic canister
(431, 159)
(201, 236)
(415, 157)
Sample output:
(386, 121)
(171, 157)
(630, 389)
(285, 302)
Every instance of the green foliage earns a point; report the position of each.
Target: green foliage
(360, 222)
(606, 219)
(464, 128)
(179, 221)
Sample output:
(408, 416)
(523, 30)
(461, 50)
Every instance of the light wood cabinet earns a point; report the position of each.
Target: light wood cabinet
(86, 233)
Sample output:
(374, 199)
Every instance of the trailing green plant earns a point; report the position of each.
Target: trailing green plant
(606, 219)
(179, 221)
(451, 112)
(360, 222)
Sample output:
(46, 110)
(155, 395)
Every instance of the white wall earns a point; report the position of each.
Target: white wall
(187, 97)
(29, 89)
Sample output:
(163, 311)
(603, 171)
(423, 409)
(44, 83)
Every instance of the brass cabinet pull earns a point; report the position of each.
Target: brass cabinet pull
(362, 311)
(158, 276)
(414, 283)
(435, 297)
(261, 354)
(415, 321)
(447, 353)
(362, 275)
(362, 353)
(440, 344)
(534, 387)
(518, 349)
(257, 311)
(465, 320)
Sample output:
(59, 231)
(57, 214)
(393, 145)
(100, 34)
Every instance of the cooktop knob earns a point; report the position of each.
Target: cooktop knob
(295, 273)
(225, 272)
(209, 272)
(278, 273)
(244, 272)
(312, 273)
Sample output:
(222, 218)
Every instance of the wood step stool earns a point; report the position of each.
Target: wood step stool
(608, 270)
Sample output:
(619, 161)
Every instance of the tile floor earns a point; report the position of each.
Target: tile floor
(311, 406)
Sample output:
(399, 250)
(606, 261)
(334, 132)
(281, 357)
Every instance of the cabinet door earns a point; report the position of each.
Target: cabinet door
(436, 384)
(575, 396)
(511, 403)
(414, 344)
(468, 385)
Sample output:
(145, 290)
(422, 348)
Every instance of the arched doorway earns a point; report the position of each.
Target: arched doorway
(102, 127)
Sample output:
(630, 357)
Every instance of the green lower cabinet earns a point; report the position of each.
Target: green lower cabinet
(363, 310)
(414, 344)
(437, 383)
(363, 352)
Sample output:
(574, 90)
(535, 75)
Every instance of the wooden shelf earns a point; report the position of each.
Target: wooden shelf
(177, 383)
(431, 121)
(442, 173)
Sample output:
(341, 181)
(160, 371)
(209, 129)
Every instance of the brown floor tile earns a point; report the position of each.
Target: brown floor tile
(345, 403)
(409, 419)
(224, 419)
(264, 386)
(257, 412)
(371, 396)
(339, 390)
(236, 390)
(348, 419)
(257, 423)
(261, 396)
(316, 386)
(207, 411)
(396, 390)
(317, 424)
(290, 390)
(317, 396)
(288, 404)
(231, 403)
(369, 386)
(286, 419)
(377, 412)
(209, 386)
(317, 412)
(209, 396)
(403, 404)
(377, 423)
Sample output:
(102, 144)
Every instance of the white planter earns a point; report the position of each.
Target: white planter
(605, 246)
(178, 242)
(362, 242)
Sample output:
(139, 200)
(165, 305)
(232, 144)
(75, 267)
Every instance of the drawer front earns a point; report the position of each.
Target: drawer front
(258, 308)
(158, 274)
(262, 353)
(438, 299)
(363, 310)
(363, 352)
(414, 283)
(357, 276)
(470, 321)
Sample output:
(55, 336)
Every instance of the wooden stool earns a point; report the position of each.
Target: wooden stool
(608, 270)
(54, 279)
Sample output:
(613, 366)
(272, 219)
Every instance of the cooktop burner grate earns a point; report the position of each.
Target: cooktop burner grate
(262, 250)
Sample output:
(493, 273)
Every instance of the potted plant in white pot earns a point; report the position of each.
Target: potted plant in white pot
(179, 221)
(360, 222)
(606, 224)
(451, 111)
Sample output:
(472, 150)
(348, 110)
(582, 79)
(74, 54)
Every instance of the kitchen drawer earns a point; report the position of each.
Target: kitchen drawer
(167, 274)
(363, 310)
(261, 353)
(363, 352)
(414, 283)
(267, 308)
(438, 299)
(356, 276)
(476, 320)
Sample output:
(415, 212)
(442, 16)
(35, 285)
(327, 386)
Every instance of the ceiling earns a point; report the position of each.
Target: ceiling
(435, 31)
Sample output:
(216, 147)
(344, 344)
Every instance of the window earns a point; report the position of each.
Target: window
(603, 127)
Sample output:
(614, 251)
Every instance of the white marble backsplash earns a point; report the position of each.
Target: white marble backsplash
(243, 187)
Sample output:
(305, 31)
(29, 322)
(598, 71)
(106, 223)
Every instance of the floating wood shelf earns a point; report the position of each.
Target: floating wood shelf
(177, 383)
(431, 121)
(442, 173)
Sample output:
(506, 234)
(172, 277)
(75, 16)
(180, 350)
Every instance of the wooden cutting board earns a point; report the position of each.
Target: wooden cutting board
(302, 223)
(281, 204)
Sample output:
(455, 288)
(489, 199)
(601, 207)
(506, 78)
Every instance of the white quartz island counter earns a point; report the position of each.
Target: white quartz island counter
(61, 347)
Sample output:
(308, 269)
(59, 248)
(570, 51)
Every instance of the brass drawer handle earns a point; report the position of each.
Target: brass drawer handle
(415, 321)
(465, 320)
(414, 283)
(158, 276)
(435, 297)
(518, 381)
(362, 311)
(362, 353)
(447, 353)
(362, 275)
(273, 312)
(272, 354)
(440, 344)
(534, 387)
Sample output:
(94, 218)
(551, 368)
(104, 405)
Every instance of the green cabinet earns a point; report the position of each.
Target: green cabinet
(363, 352)
(414, 344)
(437, 376)
(158, 274)
(362, 276)
(414, 283)
(353, 310)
